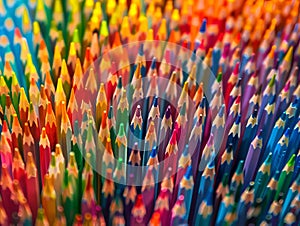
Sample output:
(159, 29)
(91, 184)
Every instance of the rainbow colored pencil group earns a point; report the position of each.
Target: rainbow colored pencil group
(150, 112)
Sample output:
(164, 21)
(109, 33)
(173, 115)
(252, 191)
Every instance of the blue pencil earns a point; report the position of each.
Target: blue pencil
(297, 165)
(205, 210)
(225, 163)
(291, 113)
(206, 185)
(218, 127)
(249, 134)
(154, 163)
(276, 133)
(292, 217)
(266, 119)
(226, 204)
(183, 163)
(274, 212)
(292, 193)
(280, 152)
(186, 189)
(268, 196)
(234, 135)
(268, 94)
(294, 142)
(247, 199)
(195, 144)
(262, 177)
(282, 101)
(237, 181)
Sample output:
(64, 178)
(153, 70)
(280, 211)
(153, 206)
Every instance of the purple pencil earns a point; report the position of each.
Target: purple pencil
(252, 158)
(129, 196)
(179, 212)
(195, 144)
(249, 69)
(249, 91)
(138, 212)
(267, 65)
(88, 202)
(162, 205)
(233, 113)
(148, 192)
(294, 81)
(168, 185)
(165, 133)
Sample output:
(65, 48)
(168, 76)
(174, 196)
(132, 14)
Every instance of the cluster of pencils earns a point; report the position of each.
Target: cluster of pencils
(149, 112)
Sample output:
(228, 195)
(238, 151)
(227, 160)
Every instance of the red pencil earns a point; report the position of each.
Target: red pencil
(3, 215)
(45, 153)
(42, 106)
(16, 133)
(72, 109)
(6, 133)
(23, 107)
(9, 110)
(112, 81)
(5, 152)
(88, 60)
(138, 212)
(101, 104)
(6, 192)
(33, 123)
(18, 169)
(50, 126)
(32, 186)
(28, 142)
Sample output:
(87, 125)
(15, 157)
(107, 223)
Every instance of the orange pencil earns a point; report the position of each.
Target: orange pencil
(101, 104)
(56, 66)
(49, 199)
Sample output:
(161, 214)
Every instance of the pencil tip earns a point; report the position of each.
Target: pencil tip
(153, 63)
(153, 152)
(203, 26)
